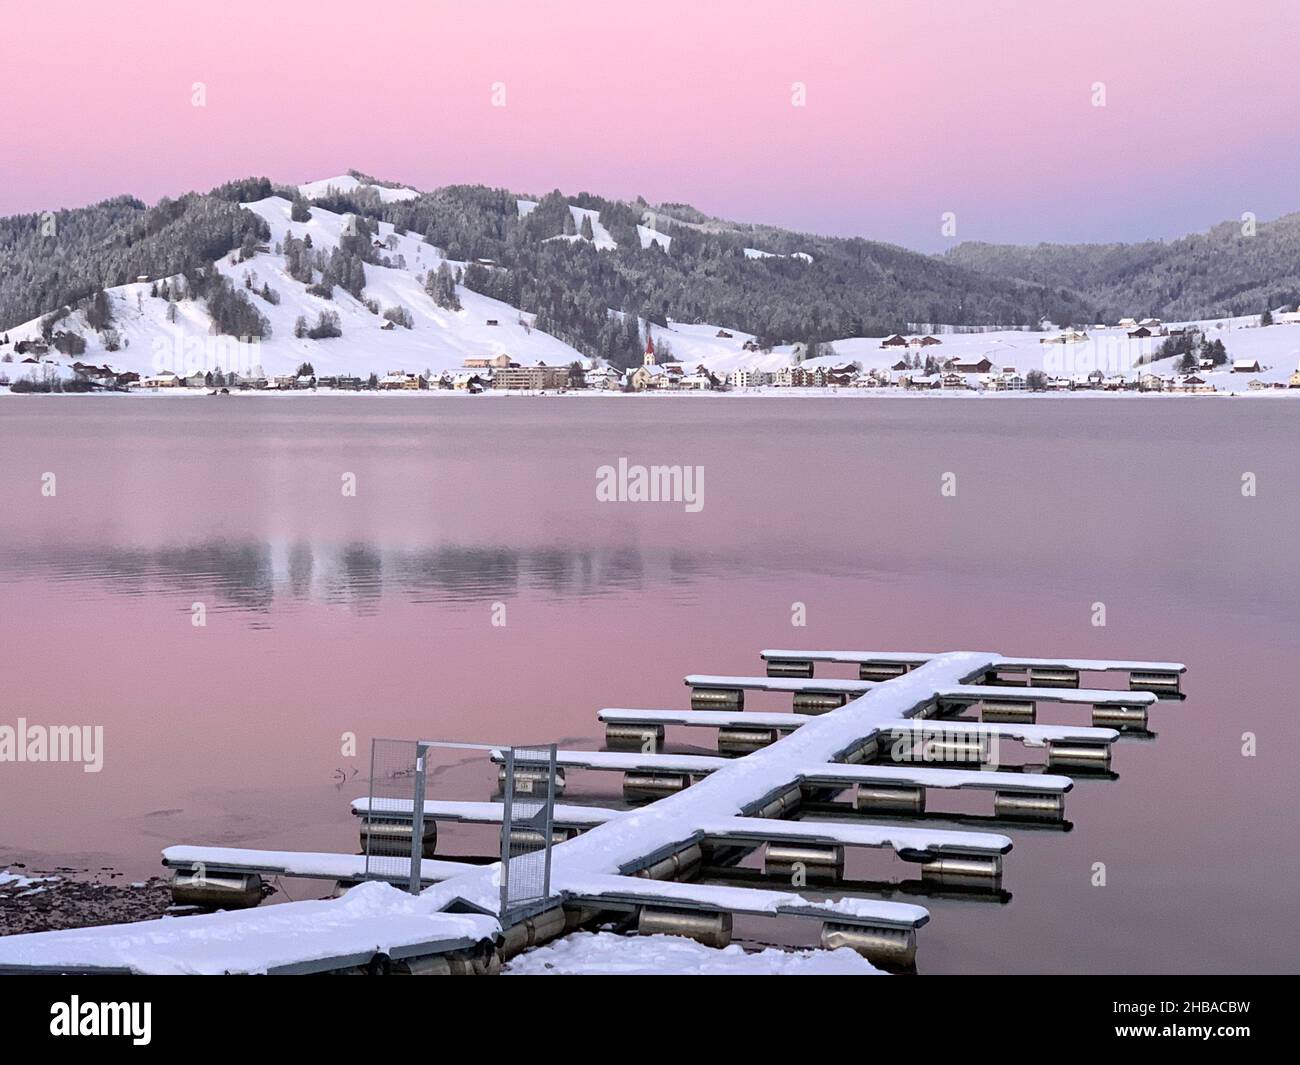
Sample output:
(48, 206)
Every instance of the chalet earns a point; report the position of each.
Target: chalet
(1142, 332)
(953, 380)
(749, 345)
(1191, 383)
(1246, 366)
(1155, 325)
(468, 382)
(1152, 383)
(696, 382)
(928, 341)
(920, 380)
(605, 377)
(1127, 324)
(981, 365)
(388, 325)
(894, 341)
(284, 382)
(1068, 336)
(1258, 386)
(305, 380)
(722, 334)
(197, 379)
(166, 379)
(900, 365)
(403, 380)
(492, 321)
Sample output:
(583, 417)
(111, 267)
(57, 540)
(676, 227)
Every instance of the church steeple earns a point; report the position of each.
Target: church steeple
(649, 348)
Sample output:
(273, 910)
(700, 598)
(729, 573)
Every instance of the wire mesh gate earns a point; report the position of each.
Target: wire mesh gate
(394, 824)
(527, 828)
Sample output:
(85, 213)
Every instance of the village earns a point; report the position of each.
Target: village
(914, 363)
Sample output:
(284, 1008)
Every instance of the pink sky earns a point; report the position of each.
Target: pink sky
(914, 108)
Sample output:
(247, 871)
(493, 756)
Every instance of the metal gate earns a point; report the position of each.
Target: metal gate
(527, 828)
(394, 824)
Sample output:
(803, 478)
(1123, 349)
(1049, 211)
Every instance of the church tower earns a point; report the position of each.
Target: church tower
(649, 348)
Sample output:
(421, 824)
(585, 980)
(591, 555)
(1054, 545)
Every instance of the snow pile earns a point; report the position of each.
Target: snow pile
(607, 954)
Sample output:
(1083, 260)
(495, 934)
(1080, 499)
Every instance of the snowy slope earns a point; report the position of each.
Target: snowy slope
(347, 183)
(440, 339)
(1276, 347)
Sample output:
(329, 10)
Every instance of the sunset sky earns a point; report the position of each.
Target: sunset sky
(914, 107)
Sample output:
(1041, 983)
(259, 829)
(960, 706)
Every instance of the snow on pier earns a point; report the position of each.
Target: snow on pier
(630, 859)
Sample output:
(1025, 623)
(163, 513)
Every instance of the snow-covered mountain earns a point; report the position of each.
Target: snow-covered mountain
(153, 334)
(395, 324)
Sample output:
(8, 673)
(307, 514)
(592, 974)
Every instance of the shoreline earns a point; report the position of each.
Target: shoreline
(757, 393)
(67, 897)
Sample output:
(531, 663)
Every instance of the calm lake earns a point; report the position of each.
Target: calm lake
(374, 614)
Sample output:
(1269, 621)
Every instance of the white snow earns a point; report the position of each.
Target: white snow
(779, 684)
(440, 341)
(321, 865)
(1030, 735)
(487, 813)
(758, 253)
(607, 954)
(376, 917)
(897, 837)
(984, 779)
(1095, 696)
(17, 882)
(701, 718)
(370, 918)
(653, 236)
(347, 183)
(600, 236)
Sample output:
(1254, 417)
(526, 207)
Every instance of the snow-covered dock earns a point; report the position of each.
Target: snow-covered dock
(810, 696)
(635, 860)
(484, 813)
(306, 865)
(1160, 677)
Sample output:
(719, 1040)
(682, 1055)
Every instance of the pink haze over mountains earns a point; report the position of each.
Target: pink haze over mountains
(913, 108)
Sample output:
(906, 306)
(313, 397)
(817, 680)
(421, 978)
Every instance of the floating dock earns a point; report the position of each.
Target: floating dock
(886, 738)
